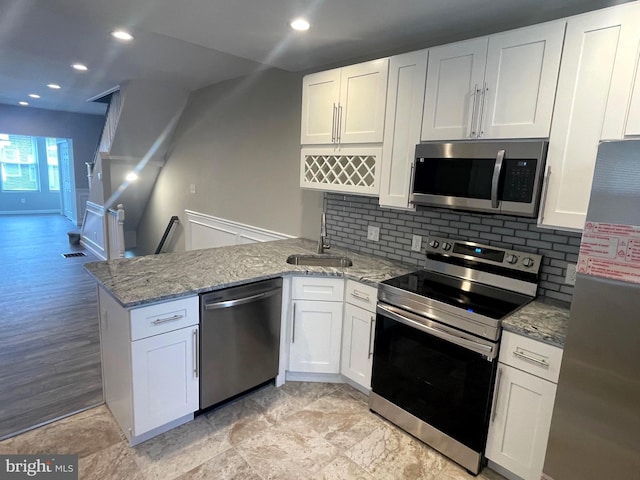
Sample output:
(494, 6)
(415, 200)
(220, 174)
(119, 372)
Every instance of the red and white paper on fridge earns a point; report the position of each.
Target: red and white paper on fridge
(611, 251)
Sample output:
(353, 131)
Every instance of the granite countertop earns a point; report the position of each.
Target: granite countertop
(540, 320)
(155, 278)
(148, 279)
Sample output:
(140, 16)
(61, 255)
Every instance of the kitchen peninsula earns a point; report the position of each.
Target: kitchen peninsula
(150, 324)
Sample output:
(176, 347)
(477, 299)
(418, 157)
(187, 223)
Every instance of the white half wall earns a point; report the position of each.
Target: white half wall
(206, 231)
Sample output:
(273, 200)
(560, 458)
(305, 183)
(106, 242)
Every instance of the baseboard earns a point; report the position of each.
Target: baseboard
(30, 212)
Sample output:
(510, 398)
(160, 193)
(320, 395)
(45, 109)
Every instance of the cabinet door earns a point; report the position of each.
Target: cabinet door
(315, 337)
(320, 97)
(520, 423)
(520, 82)
(455, 76)
(405, 99)
(593, 94)
(165, 378)
(357, 344)
(363, 93)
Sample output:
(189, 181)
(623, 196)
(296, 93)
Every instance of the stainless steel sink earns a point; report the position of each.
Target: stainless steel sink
(320, 261)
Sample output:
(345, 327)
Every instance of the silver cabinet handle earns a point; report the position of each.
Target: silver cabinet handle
(333, 124)
(373, 320)
(339, 130)
(293, 327)
(545, 190)
(485, 92)
(495, 180)
(542, 362)
(496, 393)
(196, 354)
(361, 296)
(472, 130)
(158, 321)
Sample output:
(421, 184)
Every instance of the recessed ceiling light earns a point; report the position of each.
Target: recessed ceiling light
(300, 24)
(80, 67)
(34, 95)
(24, 104)
(54, 86)
(131, 177)
(122, 35)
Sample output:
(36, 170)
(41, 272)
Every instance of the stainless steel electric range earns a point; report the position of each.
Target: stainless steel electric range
(437, 339)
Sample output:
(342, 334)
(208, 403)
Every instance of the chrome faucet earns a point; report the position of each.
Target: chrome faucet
(322, 243)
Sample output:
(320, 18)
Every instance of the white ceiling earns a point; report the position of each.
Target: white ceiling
(194, 43)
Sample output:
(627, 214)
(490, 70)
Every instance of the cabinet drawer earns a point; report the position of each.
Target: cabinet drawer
(361, 295)
(317, 288)
(164, 317)
(537, 358)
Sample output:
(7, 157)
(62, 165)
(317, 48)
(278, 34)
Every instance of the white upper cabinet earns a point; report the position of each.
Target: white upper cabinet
(594, 89)
(455, 73)
(502, 86)
(405, 98)
(320, 96)
(345, 105)
(520, 82)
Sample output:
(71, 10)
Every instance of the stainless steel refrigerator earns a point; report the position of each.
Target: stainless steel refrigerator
(595, 429)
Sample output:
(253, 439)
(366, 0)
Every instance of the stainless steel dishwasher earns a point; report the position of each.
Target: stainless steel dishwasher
(239, 339)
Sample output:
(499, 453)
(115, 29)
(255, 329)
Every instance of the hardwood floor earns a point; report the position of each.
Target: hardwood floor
(49, 338)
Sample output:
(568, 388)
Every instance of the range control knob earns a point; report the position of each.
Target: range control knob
(434, 244)
(527, 262)
(511, 259)
(446, 246)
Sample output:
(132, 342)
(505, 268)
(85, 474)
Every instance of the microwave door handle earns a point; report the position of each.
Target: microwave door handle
(495, 181)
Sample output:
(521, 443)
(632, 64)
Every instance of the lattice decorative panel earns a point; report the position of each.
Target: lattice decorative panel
(344, 172)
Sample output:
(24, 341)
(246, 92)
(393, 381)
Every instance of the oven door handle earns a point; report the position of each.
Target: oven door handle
(488, 351)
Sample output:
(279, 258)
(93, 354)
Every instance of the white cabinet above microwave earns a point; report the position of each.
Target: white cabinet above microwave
(501, 86)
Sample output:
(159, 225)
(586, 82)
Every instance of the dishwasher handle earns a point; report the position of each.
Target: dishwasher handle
(240, 301)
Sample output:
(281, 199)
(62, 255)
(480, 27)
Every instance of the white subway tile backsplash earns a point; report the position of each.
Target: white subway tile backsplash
(348, 217)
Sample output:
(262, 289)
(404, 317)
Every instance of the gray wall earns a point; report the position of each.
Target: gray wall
(238, 142)
(349, 216)
(83, 129)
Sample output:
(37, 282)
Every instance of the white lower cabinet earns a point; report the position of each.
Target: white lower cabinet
(523, 403)
(316, 325)
(150, 364)
(315, 337)
(164, 378)
(357, 344)
(358, 332)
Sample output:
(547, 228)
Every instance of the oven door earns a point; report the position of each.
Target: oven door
(438, 374)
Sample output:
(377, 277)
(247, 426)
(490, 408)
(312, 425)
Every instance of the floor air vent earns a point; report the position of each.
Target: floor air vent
(74, 254)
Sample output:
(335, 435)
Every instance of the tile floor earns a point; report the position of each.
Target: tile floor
(299, 431)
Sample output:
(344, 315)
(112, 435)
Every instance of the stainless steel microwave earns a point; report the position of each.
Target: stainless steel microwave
(496, 176)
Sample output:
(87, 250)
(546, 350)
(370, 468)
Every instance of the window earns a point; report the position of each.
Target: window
(18, 162)
(53, 168)
(32, 164)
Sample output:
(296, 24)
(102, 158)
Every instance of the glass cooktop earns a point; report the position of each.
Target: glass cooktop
(472, 297)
